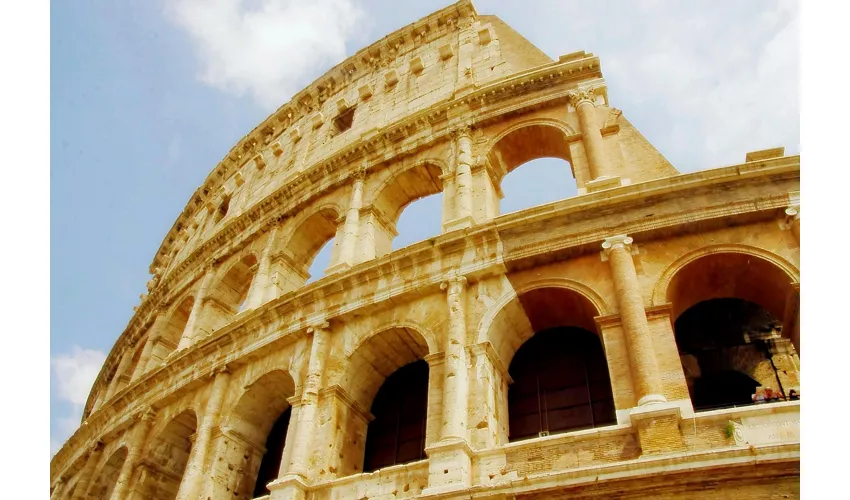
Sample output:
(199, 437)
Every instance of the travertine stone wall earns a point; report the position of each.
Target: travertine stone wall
(229, 336)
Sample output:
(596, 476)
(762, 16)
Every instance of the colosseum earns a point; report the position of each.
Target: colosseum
(638, 339)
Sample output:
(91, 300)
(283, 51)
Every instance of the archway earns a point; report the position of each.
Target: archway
(253, 437)
(542, 150)
(167, 457)
(108, 475)
(407, 208)
(561, 384)
(397, 435)
(727, 310)
(537, 182)
(547, 337)
(387, 374)
(315, 234)
(227, 297)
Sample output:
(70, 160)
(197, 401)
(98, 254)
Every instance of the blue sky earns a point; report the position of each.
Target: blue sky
(146, 97)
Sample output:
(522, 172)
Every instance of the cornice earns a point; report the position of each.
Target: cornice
(277, 324)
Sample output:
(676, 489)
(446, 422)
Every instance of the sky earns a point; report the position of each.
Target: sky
(147, 97)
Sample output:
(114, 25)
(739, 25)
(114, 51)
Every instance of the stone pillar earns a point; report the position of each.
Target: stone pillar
(450, 459)
(462, 181)
(190, 486)
(488, 398)
(792, 220)
(583, 100)
(135, 446)
(647, 380)
(192, 324)
(351, 229)
(84, 481)
(258, 292)
(309, 400)
(295, 470)
(121, 374)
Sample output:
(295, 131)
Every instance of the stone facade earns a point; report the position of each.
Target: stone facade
(229, 336)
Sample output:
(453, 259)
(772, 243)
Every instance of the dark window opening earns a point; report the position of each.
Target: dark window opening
(344, 121)
(270, 465)
(561, 384)
(397, 435)
(724, 348)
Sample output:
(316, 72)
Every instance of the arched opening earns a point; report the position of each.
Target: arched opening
(227, 298)
(419, 220)
(253, 436)
(548, 338)
(544, 153)
(538, 182)
(397, 435)
(309, 251)
(727, 311)
(169, 337)
(416, 192)
(321, 262)
(561, 384)
(108, 475)
(168, 455)
(387, 374)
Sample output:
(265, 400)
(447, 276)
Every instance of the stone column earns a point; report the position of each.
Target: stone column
(453, 453)
(583, 100)
(135, 446)
(120, 374)
(197, 306)
(84, 481)
(295, 470)
(258, 292)
(309, 400)
(190, 486)
(456, 384)
(351, 229)
(647, 380)
(792, 219)
(462, 181)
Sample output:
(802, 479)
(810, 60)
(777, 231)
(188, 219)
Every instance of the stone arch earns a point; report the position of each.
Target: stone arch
(728, 304)
(177, 318)
(107, 476)
(228, 293)
(308, 234)
(260, 415)
(529, 140)
(408, 324)
(386, 374)
(378, 356)
(396, 192)
(167, 456)
(780, 270)
(588, 300)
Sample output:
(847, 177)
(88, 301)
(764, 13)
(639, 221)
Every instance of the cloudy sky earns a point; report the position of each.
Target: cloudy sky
(146, 97)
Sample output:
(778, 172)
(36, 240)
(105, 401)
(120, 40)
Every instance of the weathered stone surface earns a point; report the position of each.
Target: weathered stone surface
(229, 336)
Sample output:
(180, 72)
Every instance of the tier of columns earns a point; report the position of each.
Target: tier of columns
(451, 450)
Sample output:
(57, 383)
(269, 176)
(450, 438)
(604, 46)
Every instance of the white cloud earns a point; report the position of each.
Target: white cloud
(705, 81)
(268, 48)
(74, 374)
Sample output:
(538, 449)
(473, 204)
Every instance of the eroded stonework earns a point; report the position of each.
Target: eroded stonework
(230, 347)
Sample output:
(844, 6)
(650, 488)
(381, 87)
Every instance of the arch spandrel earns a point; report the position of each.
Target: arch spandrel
(661, 291)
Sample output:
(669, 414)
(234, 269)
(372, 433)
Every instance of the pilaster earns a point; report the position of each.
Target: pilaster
(137, 438)
(191, 484)
(190, 330)
(84, 481)
(258, 292)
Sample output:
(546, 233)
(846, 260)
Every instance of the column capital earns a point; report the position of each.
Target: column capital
(358, 174)
(147, 415)
(462, 131)
(454, 283)
(792, 212)
(582, 95)
(320, 325)
(618, 241)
